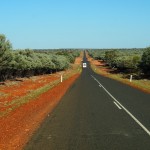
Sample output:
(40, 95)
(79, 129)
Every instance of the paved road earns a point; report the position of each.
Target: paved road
(96, 113)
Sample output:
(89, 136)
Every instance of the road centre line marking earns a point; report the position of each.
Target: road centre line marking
(117, 105)
(128, 112)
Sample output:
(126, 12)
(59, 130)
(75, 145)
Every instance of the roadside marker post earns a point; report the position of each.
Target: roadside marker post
(61, 78)
(131, 78)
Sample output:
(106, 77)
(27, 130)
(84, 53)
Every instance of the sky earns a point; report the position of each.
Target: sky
(48, 24)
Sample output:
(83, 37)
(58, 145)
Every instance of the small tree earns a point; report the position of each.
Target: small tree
(5, 56)
(145, 61)
(111, 56)
(5, 47)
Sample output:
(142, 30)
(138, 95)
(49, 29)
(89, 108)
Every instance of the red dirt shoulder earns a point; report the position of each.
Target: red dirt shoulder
(18, 126)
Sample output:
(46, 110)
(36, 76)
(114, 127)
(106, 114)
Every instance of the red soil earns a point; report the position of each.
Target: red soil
(12, 91)
(17, 127)
(15, 89)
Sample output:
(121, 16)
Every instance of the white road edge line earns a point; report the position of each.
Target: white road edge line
(97, 81)
(132, 116)
(117, 105)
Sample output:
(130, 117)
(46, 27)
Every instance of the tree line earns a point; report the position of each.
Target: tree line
(26, 63)
(128, 61)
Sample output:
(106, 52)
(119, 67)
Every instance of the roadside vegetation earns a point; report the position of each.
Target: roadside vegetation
(26, 74)
(27, 63)
(120, 64)
(32, 83)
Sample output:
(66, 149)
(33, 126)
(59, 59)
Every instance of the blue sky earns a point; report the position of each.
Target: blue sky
(76, 23)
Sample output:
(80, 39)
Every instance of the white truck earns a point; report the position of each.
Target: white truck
(84, 65)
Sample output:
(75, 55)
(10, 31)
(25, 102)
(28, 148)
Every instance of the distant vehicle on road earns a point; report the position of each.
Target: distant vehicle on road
(84, 65)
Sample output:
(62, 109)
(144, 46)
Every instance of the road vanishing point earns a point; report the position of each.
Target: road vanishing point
(96, 113)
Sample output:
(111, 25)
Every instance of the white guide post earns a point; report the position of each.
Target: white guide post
(61, 78)
(131, 78)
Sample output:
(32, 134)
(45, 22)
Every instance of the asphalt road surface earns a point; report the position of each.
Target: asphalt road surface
(96, 113)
